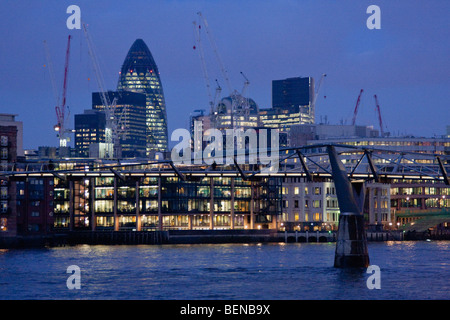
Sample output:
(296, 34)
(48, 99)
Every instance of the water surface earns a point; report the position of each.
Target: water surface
(409, 270)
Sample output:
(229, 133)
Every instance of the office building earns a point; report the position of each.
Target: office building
(407, 144)
(292, 103)
(89, 131)
(153, 202)
(301, 134)
(313, 206)
(129, 112)
(409, 199)
(140, 74)
(235, 112)
(292, 92)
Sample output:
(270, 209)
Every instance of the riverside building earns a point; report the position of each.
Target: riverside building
(409, 199)
(11, 148)
(161, 201)
(390, 204)
(313, 206)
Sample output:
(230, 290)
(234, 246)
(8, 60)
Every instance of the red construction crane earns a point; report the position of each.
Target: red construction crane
(379, 115)
(356, 107)
(60, 109)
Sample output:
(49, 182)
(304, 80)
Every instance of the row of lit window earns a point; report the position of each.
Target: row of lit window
(149, 221)
(315, 190)
(315, 217)
(420, 190)
(308, 204)
(398, 143)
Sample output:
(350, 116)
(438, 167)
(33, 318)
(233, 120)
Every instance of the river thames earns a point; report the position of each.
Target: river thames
(277, 271)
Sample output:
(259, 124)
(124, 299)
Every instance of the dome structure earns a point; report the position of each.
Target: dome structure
(236, 111)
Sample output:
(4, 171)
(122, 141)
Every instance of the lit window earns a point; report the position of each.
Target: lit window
(3, 224)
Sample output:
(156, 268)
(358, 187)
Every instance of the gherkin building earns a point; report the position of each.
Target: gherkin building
(139, 73)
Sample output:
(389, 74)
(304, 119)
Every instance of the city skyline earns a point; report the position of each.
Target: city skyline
(404, 63)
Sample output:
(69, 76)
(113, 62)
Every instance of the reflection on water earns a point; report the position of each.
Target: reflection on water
(409, 270)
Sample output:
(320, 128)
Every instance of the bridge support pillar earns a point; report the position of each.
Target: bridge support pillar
(351, 242)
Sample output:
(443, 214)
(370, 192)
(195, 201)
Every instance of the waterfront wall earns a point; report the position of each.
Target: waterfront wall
(190, 237)
(317, 236)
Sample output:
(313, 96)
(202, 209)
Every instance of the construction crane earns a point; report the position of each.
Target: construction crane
(52, 73)
(218, 91)
(240, 105)
(199, 45)
(380, 120)
(60, 109)
(245, 102)
(246, 84)
(317, 91)
(315, 95)
(355, 112)
(112, 126)
(216, 51)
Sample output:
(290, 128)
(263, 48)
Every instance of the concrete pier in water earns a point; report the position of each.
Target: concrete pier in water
(351, 242)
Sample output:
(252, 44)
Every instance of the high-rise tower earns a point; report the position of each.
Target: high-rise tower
(292, 102)
(140, 74)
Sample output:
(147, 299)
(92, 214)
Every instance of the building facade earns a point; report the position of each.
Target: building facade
(296, 91)
(309, 206)
(130, 114)
(140, 74)
(35, 211)
(292, 103)
(235, 112)
(89, 131)
(313, 205)
(409, 199)
(302, 134)
(11, 148)
(9, 120)
(438, 145)
(161, 203)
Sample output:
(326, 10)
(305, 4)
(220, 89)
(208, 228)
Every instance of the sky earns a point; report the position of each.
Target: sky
(405, 63)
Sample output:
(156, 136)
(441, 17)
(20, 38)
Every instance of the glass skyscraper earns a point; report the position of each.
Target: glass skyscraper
(130, 111)
(140, 74)
(292, 103)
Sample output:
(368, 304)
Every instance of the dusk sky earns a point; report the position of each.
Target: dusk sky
(405, 63)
